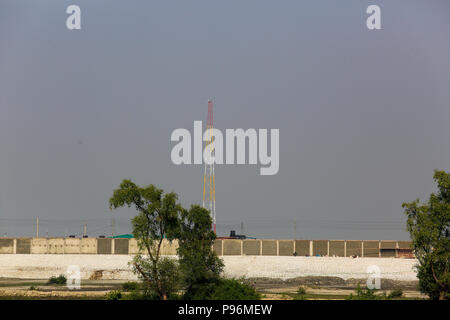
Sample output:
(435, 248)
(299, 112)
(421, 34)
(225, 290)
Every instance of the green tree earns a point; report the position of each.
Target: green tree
(429, 225)
(200, 266)
(157, 220)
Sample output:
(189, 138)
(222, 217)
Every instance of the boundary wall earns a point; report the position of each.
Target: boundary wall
(223, 247)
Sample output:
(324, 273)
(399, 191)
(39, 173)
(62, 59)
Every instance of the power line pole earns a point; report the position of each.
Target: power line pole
(37, 227)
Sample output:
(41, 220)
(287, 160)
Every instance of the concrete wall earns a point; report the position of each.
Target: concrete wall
(227, 247)
(121, 246)
(337, 248)
(73, 245)
(64, 246)
(387, 248)
(167, 248)
(54, 246)
(232, 247)
(388, 244)
(38, 245)
(7, 246)
(320, 247)
(88, 245)
(217, 247)
(286, 247)
(371, 248)
(104, 246)
(23, 246)
(404, 244)
(302, 247)
(133, 247)
(269, 247)
(353, 248)
(251, 247)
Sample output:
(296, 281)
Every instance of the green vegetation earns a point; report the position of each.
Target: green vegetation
(397, 293)
(363, 294)
(199, 266)
(301, 290)
(369, 294)
(61, 279)
(113, 295)
(29, 297)
(232, 289)
(130, 286)
(429, 227)
(225, 289)
(197, 272)
(156, 220)
(300, 294)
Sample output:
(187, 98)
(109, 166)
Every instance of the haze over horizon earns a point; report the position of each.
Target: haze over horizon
(363, 114)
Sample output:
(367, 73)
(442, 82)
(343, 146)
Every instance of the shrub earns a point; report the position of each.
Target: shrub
(144, 291)
(301, 293)
(225, 289)
(299, 297)
(301, 290)
(231, 289)
(397, 293)
(361, 294)
(113, 295)
(130, 286)
(61, 279)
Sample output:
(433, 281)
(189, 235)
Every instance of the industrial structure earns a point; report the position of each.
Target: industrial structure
(209, 183)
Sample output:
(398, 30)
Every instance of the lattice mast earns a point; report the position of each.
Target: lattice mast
(209, 183)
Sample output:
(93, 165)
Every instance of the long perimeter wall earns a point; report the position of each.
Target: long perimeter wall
(223, 247)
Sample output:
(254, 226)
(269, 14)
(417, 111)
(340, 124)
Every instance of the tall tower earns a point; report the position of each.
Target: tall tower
(209, 183)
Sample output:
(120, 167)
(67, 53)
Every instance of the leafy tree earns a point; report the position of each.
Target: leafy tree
(157, 220)
(161, 280)
(200, 266)
(429, 225)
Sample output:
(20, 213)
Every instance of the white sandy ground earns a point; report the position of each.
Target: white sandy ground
(43, 266)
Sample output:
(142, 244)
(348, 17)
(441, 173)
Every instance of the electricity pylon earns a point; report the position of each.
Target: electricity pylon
(209, 183)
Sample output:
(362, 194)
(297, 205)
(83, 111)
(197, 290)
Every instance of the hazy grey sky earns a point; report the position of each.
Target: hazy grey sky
(363, 115)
